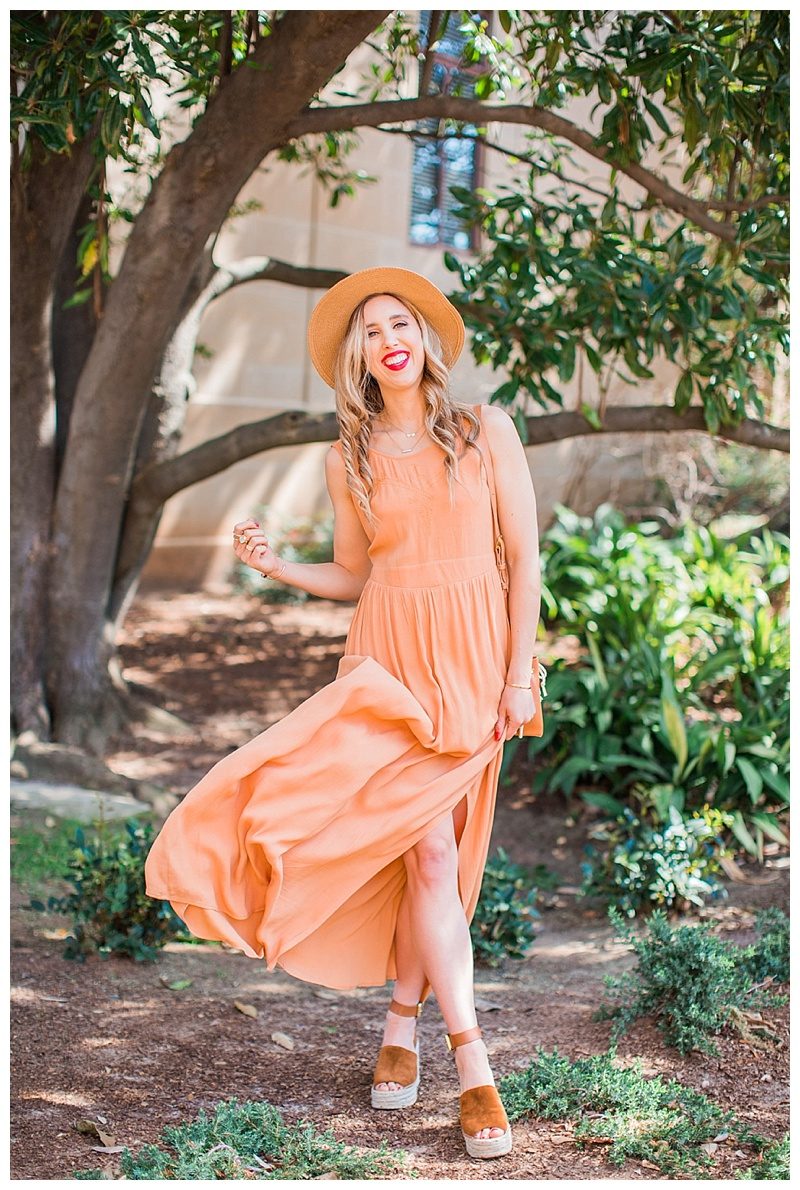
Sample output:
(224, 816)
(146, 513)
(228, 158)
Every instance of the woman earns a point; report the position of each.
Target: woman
(348, 841)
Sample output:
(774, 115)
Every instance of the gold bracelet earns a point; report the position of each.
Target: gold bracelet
(518, 687)
(276, 573)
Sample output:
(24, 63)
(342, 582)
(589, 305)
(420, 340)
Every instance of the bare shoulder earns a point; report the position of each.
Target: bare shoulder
(500, 429)
(335, 469)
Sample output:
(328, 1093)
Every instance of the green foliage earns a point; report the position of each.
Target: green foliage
(502, 926)
(685, 676)
(672, 864)
(251, 1141)
(693, 982)
(555, 283)
(565, 276)
(110, 910)
(92, 71)
(773, 1164)
(40, 853)
(297, 539)
(646, 1119)
(326, 157)
(768, 958)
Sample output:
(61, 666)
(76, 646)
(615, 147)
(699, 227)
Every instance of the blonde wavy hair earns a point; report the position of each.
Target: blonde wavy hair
(359, 400)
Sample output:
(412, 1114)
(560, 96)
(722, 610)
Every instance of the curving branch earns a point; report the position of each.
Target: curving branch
(157, 483)
(347, 117)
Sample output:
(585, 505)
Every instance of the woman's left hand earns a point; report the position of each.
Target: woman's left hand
(516, 707)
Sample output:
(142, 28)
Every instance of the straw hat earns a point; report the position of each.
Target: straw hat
(329, 319)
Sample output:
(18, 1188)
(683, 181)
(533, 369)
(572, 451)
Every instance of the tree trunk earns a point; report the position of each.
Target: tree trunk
(40, 228)
(188, 202)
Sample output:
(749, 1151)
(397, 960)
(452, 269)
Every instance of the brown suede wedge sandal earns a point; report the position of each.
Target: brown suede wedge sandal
(480, 1107)
(396, 1064)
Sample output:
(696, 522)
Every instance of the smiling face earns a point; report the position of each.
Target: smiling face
(394, 342)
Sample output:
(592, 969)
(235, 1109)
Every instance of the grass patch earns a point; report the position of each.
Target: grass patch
(251, 1141)
(40, 853)
(646, 1119)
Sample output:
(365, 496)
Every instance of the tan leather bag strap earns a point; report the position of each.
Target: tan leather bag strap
(488, 466)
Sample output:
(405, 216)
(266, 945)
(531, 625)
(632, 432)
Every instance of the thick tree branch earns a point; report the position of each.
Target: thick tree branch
(157, 483)
(472, 111)
(267, 268)
(515, 155)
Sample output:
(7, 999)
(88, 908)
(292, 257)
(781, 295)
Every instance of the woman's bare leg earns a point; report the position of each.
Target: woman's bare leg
(399, 1030)
(442, 942)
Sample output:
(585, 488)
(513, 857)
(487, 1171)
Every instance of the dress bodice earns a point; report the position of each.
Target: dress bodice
(417, 531)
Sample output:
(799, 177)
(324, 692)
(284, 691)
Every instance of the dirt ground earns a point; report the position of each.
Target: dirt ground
(109, 1041)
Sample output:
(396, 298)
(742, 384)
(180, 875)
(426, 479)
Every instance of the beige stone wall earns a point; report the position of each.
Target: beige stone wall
(259, 365)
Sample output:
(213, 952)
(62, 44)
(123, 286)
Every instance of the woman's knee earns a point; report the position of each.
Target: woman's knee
(433, 861)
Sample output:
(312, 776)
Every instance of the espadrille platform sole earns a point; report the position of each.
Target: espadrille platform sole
(480, 1107)
(396, 1064)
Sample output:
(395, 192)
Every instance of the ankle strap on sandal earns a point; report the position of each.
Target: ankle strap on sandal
(453, 1040)
(405, 1009)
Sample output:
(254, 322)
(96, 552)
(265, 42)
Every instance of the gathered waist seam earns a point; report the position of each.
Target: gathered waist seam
(387, 576)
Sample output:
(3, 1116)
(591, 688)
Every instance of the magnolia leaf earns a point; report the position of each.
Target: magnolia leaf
(752, 778)
(591, 416)
(673, 722)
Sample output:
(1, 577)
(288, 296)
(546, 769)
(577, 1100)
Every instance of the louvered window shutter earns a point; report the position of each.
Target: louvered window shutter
(439, 165)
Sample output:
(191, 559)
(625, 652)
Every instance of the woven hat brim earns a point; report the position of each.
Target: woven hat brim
(328, 323)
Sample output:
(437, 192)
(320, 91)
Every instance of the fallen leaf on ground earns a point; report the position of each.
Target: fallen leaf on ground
(247, 1009)
(283, 1039)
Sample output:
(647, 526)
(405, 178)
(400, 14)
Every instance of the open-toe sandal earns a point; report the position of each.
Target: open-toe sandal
(396, 1064)
(480, 1107)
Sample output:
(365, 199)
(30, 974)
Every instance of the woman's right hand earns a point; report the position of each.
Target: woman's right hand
(256, 550)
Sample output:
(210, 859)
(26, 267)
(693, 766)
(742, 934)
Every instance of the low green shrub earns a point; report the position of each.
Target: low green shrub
(773, 1165)
(691, 981)
(502, 926)
(684, 677)
(110, 910)
(251, 1141)
(768, 957)
(641, 864)
(646, 1119)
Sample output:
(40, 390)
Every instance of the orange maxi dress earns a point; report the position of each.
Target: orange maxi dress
(291, 848)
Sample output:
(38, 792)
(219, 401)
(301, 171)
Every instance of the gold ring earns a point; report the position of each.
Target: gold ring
(243, 537)
(519, 733)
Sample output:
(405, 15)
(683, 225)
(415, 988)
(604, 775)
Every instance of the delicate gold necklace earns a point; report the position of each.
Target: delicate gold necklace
(407, 450)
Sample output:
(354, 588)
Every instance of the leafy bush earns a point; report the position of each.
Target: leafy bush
(686, 671)
(768, 958)
(693, 982)
(773, 1164)
(297, 539)
(646, 1119)
(251, 1141)
(502, 926)
(110, 910)
(672, 864)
